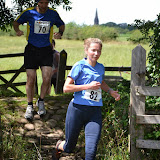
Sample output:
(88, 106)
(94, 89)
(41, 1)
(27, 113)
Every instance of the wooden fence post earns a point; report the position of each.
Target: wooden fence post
(137, 103)
(1, 141)
(61, 72)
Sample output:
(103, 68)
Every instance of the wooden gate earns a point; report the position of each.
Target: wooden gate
(137, 105)
(16, 72)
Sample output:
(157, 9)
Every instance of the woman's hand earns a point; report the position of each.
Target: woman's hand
(94, 85)
(115, 95)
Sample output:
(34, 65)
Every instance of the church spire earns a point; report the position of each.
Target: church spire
(96, 20)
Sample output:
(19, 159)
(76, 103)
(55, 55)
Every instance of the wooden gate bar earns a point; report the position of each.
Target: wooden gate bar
(12, 85)
(150, 144)
(109, 68)
(148, 119)
(14, 77)
(11, 55)
(11, 71)
(147, 90)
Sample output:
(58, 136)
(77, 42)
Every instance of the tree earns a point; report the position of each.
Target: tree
(7, 15)
(151, 32)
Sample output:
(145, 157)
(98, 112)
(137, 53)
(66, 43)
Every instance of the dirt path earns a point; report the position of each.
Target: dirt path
(42, 131)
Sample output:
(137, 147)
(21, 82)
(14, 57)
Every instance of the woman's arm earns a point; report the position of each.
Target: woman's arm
(69, 86)
(113, 93)
(104, 86)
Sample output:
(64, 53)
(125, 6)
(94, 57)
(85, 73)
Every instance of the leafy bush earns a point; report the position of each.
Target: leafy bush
(10, 31)
(76, 32)
(114, 138)
(5, 33)
(136, 37)
(150, 31)
(71, 31)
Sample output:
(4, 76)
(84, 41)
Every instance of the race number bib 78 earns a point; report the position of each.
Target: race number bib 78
(41, 27)
(93, 95)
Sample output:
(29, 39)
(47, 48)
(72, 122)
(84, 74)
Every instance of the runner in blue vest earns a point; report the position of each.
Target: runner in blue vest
(86, 81)
(38, 52)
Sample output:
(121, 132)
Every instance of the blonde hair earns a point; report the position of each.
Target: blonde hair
(88, 42)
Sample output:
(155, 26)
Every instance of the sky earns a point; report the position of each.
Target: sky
(117, 11)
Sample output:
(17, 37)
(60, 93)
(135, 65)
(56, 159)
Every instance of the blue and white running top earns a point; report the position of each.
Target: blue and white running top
(40, 26)
(83, 73)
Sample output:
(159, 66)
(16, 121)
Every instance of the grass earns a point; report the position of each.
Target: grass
(116, 53)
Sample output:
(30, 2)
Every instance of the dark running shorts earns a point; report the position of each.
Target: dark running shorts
(35, 57)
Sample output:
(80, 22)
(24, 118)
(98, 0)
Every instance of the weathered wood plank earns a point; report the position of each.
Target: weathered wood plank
(113, 78)
(11, 85)
(61, 72)
(11, 55)
(109, 68)
(150, 144)
(147, 90)
(14, 76)
(148, 119)
(137, 103)
(15, 84)
(11, 71)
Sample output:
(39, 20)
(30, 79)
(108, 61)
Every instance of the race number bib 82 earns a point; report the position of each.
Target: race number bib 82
(41, 27)
(93, 95)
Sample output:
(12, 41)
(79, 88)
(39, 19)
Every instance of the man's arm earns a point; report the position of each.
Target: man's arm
(61, 29)
(59, 34)
(16, 28)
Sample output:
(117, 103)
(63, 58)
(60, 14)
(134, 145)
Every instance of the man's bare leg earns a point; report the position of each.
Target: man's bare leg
(46, 77)
(30, 85)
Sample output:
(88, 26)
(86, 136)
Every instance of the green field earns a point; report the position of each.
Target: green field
(116, 54)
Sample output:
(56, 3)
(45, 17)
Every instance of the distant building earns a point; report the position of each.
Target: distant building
(96, 20)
